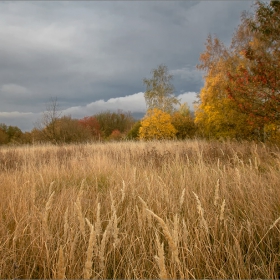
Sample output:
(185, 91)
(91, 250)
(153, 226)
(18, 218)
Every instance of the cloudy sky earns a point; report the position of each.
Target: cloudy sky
(93, 55)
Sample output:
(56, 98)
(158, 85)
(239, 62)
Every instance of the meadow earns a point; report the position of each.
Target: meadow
(174, 209)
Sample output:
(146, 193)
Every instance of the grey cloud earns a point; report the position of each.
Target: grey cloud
(25, 121)
(132, 103)
(13, 89)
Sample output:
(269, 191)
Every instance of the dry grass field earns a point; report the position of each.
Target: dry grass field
(191, 209)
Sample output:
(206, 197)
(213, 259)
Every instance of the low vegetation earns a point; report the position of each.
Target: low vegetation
(185, 209)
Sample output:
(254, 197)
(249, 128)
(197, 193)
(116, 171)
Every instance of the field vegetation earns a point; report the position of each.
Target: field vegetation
(169, 209)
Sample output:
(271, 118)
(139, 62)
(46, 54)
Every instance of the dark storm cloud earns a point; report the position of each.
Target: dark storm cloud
(82, 52)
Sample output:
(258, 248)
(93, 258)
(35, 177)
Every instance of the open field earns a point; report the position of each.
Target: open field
(192, 209)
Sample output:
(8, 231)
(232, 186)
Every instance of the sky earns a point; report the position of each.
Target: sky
(92, 56)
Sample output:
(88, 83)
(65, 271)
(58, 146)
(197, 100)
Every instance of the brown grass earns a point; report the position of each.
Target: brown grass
(191, 209)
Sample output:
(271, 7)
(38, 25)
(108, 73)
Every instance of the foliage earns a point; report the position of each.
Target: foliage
(37, 135)
(48, 126)
(134, 132)
(116, 135)
(159, 91)
(10, 134)
(109, 121)
(254, 78)
(66, 130)
(184, 110)
(4, 139)
(240, 98)
(272, 132)
(92, 125)
(69, 130)
(217, 116)
(157, 125)
(58, 129)
(183, 122)
(26, 138)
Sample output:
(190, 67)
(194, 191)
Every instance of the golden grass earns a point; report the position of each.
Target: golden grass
(191, 209)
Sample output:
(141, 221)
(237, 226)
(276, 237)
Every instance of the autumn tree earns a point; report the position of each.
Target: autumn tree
(69, 130)
(134, 132)
(55, 128)
(183, 122)
(159, 92)
(92, 125)
(10, 134)
(109, 121)
(37, 135)
(157, 125)
(14, 134)
(4, 138)
(217, 116)
(254, 75)
(48, 125)
(241, 97)
(26, 138)
(116, 135)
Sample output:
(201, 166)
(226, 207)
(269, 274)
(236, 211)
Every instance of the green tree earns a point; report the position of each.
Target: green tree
(134, 132)
(10, 134)
(159, 91)
(109, 121)
(183, 122)
(14, 134)
(157, 125)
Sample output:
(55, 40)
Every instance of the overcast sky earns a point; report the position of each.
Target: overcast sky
(92, 56)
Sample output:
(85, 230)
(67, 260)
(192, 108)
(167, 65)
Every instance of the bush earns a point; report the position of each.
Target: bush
(116, 135)
(134, 132)
(157, 125)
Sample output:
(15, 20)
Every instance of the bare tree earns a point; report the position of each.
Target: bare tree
(50, 121)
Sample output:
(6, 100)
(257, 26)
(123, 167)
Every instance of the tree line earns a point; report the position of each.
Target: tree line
(239, 100)
(56, 129)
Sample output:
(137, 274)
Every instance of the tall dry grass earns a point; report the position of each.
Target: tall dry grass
(190, 209)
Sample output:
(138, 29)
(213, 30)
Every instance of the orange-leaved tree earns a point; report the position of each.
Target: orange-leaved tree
(254, 78)
(157, 125)
(217, 116)
(92, 125)
(116, 135)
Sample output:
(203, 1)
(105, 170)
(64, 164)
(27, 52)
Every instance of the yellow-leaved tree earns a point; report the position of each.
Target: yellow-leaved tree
(157, 125)
(217, 116)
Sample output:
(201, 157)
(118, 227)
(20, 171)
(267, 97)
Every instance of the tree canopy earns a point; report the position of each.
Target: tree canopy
(240, 97)
(159, 92)
(157, 125)
(254, 75)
